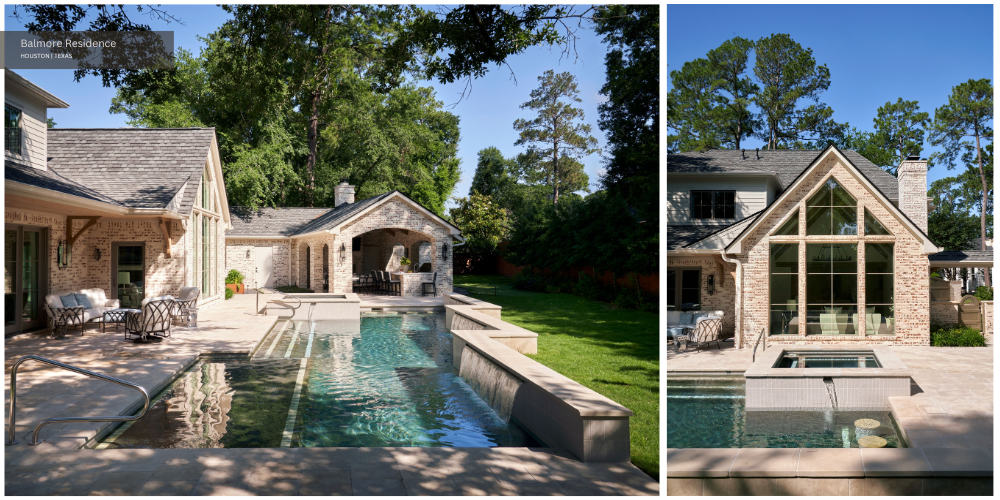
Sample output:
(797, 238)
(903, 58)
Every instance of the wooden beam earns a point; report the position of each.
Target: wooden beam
(165, 227)
(70, 237)
(723, 268)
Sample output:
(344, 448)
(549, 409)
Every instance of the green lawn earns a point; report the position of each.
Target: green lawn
(614, 352)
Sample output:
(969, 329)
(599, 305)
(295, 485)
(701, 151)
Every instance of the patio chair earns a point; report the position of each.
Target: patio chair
(430, 288)
(188, 299)
(707, 330)
(393, 287)
(153, 318)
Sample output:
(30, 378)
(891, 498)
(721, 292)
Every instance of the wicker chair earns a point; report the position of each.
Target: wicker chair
(153, 318)
(706, 330)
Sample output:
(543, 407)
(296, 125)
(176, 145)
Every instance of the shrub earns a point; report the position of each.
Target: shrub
(405, 261)
(957, 336)
(234, 277)
(229, 293)
(529, 280)
(984, 293)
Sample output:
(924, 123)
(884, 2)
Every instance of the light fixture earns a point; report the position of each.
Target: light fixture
(343, 252)
(711, 284)
(97, 254)
(248, 253)
(63, 254)
(444, 251)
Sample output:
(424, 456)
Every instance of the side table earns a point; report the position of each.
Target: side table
(191, 313)
(116, 316)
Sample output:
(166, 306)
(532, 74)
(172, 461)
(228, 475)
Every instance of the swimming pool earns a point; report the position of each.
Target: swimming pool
(710, 412)
(387, 380)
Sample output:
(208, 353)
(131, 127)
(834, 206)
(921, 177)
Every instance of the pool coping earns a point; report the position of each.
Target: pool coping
(892, 366)
(828, 462)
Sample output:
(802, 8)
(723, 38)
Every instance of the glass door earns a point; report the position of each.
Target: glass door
(24, 272)
(127, 271)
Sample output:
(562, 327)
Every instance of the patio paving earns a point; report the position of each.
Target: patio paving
(58, 466)
(951, 402)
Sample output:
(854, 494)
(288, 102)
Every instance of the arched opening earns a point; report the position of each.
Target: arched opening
(326, 268)
(382, 249)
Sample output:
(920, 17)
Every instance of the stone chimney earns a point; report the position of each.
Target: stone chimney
(912, 177)
(345, 194)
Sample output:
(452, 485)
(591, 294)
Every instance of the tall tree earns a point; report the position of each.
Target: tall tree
(691, 108)
(732, 112)
(789, 74)
(967, 115)
(556, 133)
(483, 222)
(867, 144)
(900, 127)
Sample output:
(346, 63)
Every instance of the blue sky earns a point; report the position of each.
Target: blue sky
(487, 114)
(876, 53)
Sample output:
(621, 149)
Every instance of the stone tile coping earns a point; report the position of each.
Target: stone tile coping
(459, 299)
(764, 366)
(307, 298)
(579, 398)
(828, 462)
(494, 327)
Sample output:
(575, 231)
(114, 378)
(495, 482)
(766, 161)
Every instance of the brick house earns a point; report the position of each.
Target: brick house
(810, 247)
(136, 212)
(323, 248)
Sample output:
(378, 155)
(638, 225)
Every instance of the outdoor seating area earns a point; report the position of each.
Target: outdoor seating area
(700, 328)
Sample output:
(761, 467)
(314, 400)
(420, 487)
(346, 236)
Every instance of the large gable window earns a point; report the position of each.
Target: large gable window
(831, 288)
(831, 211)
(12, 130)
(713, 204)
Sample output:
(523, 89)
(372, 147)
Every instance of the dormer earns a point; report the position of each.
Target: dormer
(25, 120)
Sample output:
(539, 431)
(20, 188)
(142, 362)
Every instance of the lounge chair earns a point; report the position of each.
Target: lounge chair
(188, 299)
(706, 330)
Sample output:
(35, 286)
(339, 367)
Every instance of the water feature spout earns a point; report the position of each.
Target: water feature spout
(831, 390)
(495, 385)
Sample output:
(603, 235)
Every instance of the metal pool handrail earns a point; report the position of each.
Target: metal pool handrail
(760, 336)
(34, 437)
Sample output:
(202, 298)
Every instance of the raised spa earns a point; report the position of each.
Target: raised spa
(828, 359)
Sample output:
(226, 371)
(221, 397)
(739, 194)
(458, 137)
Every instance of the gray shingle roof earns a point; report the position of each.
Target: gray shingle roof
(680, 236)
(137, 167)
(962, 256)
(47, 179)
(291, 221)
(271, 221)
(722, 239)
(786, 163)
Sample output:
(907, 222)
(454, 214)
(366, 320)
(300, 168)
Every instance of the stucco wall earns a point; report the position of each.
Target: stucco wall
(912, 296)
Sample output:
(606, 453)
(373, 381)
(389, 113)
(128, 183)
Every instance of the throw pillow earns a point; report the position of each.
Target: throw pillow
(83, 300)
(69, 300)
(686, 319)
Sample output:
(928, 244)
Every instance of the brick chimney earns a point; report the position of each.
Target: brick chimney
(912, 177)
(345, 194)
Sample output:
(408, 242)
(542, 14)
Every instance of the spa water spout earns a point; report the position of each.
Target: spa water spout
(831, 390)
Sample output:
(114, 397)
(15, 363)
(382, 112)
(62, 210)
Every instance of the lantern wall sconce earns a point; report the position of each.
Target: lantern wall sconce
(248, 253)
(711, 284)
(444, 251)
(343, 252)
(97, 254)
(63, 254)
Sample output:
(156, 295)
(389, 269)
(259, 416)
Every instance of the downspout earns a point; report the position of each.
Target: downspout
(739, 288)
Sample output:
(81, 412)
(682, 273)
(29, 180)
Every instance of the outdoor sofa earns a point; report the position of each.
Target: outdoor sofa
(94, 306)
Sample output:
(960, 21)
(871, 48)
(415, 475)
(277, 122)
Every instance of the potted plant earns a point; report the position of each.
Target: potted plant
(234, 281)
(405, 262)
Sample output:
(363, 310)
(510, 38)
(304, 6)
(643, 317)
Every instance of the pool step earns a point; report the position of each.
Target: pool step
(292, 341)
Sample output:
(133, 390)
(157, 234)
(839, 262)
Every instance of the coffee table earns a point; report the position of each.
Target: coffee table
(116, 316)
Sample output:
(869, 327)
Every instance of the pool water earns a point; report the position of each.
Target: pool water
(828, 360)
(711, 413)
(388, 381)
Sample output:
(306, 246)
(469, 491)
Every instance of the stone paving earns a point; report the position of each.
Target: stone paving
(59, 466)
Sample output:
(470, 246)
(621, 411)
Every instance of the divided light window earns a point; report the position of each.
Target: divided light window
(784, 264)
(790, 227)
(684, 289)
(879, 289)
(12, 130)
(873, 226)
(831, 211)
(713, 204)
(205, 198)
(831, 288)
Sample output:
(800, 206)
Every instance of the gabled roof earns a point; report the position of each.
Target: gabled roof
(291, 221)
(722, 239)
(50, 100)
(136, 167)
(47, 179)
(271, 221)
(929, 246)
(784, 164)
(681, 236)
